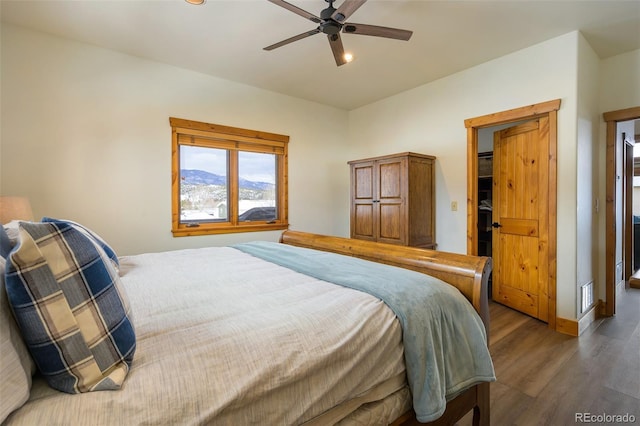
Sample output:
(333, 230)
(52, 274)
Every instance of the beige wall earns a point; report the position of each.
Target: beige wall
(430, 120)
(588, 121)
(619, 88)
(86, 136)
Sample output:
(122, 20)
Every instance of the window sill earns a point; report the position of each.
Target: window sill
(205, 229)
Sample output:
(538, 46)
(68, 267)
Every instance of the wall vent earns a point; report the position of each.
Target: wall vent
(586, 299)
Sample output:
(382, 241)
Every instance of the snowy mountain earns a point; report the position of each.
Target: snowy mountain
(200, 177)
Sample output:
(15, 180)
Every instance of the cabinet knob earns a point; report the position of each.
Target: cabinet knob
(496, 225)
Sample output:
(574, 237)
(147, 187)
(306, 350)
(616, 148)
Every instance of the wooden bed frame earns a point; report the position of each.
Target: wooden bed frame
(469, 274)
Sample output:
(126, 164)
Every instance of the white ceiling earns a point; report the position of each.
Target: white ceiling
(225, 38)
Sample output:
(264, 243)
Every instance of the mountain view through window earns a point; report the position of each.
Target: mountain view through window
(205, 186)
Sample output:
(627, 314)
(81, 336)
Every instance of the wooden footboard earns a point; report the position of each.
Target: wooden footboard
(469, 274)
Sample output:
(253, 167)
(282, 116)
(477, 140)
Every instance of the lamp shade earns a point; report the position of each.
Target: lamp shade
(15, 208)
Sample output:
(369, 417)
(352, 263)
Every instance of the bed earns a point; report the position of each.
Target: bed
(281, 333)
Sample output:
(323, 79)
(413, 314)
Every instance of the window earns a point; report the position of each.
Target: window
(226, 179)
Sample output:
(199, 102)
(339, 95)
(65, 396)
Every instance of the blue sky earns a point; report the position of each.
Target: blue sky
(253, 166)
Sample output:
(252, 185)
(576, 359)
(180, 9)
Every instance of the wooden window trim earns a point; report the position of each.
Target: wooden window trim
(188, 132)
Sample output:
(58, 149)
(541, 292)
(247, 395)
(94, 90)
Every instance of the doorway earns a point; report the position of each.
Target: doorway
(547, 111)
(614, 208)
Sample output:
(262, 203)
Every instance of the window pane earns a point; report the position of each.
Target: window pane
(204, 184)
(257, 186)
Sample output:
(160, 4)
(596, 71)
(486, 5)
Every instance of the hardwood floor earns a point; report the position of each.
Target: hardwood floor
(546, 378)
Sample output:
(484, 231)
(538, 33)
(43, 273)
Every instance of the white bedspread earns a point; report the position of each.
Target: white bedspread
(226, 338)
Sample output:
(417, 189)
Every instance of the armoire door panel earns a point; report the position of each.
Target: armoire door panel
(391, 180)
(391, 223)
(363, 221)
(364, 182)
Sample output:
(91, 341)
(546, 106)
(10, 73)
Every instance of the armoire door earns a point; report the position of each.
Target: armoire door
(390, 204)
(363, 198)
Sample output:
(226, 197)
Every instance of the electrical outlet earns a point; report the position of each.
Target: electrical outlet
(454, 206)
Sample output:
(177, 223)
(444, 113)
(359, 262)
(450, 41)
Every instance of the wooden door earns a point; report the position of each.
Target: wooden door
(389, 206)
(520, 216)
(363, 217)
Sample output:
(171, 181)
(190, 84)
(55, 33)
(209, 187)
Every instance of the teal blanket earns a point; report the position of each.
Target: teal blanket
(444, 338)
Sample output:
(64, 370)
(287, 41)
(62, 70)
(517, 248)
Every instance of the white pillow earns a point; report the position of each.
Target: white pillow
(12, 229)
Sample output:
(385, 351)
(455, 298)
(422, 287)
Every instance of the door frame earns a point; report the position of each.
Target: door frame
(549, 109)
(612, 118)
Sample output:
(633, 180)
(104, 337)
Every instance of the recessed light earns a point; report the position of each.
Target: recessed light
(196, 2)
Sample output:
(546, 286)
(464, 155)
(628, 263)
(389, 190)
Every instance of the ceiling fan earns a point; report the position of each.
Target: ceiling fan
(332, 21)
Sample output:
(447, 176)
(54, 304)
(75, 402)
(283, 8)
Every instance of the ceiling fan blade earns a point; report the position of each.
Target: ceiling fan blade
(336, 47)
(346, 9)
(297, 10)
(374, 30)
(292, 39)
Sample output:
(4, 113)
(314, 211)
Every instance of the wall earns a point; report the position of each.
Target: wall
(98, 123)
(430, 120)
(619, 88)
(85, 135)
(619, 82)
(588, 121)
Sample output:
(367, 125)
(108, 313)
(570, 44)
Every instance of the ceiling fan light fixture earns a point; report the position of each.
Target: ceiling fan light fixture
(332, 22)
(196, 2)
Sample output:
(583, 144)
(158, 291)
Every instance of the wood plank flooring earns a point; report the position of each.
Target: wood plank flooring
(545, 378)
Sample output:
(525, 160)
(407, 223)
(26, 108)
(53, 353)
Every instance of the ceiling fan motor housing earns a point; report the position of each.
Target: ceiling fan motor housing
(328, 25)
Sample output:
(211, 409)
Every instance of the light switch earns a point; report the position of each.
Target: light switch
(454, 206)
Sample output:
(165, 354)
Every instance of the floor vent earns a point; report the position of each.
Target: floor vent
(586, 297)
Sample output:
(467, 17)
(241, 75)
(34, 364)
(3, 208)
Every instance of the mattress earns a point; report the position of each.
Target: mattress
(226, 338)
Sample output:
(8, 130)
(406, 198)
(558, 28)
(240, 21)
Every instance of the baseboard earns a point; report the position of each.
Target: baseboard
(602, 309)
(574, 327)
(567, 326)
(590, 317)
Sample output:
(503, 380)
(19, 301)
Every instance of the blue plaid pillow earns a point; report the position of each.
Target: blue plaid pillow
(72, 313)
(102, 243)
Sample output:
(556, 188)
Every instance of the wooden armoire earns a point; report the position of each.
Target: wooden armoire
(393, 199)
